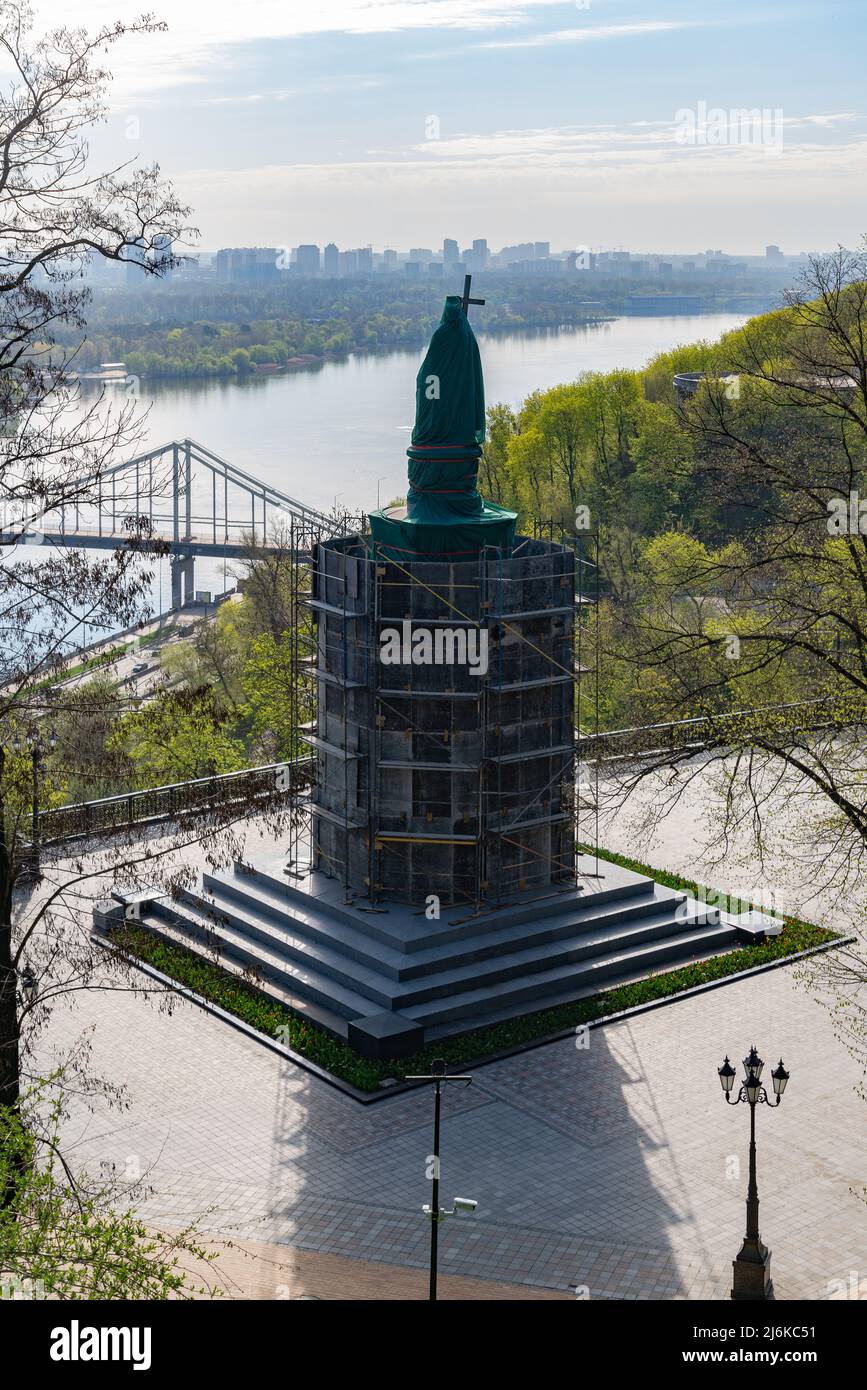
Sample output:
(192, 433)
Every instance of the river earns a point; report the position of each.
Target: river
(335, 433)
(339, 428)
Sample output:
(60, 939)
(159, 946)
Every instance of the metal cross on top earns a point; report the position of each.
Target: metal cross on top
(466, 301)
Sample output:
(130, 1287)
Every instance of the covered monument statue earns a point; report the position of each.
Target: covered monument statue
(445, 517)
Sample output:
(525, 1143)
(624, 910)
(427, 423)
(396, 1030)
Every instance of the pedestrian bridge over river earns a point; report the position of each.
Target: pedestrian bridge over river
(192, 500)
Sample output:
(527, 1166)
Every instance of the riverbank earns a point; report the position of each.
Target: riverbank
(238, 361)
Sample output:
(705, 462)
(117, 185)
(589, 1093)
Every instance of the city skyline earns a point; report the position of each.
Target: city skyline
(531, 248)
(260, 264)
(602, 122)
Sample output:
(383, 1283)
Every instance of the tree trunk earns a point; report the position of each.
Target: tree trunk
(10, 1080)
(9, 1050)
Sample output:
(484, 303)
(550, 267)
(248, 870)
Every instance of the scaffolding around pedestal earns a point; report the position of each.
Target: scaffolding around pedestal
(452, 779)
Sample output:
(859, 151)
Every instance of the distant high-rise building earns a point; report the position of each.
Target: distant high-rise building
(524, 251)
(541, 250)
(307, 260)
(422, 254)
(476, 256)
(247, 265)
(136, 257)
(451, 252)
(163, 256)
(364, 260)
(348, 263)
(331, 259)
(99, 270)
(773, 253)
(389, 258)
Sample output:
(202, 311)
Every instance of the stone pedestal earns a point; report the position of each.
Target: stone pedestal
(385, 1035)
(751, 1280)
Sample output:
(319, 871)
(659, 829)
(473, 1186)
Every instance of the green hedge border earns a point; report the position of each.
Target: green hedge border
(267, 1016)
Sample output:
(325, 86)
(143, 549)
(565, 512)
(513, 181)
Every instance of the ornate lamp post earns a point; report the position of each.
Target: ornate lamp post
(37, 747)
(435, 1212)
(752, 1268)
(29, 985)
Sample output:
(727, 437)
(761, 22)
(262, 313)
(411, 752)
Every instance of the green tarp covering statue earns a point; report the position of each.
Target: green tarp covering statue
(445, 518)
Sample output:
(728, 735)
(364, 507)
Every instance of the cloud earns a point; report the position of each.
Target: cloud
(315, 88)
(536, 162)
(597, 32)
(203, 32)
(827, 122)
(635, 143)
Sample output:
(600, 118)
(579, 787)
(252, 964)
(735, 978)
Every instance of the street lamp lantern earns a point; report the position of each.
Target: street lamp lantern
(752, 1268)
(753, 1064)
(753, 1087)
(28, 982)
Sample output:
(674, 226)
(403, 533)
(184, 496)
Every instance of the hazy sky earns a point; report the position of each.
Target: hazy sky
(399, 122)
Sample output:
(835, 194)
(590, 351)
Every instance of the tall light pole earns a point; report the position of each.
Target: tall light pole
(368, 473)
(752, 1268)
(435, 1212)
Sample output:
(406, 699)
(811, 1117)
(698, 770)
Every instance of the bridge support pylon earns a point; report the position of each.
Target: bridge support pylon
(183, 580)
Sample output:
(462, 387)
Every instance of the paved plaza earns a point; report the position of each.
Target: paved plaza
(615, 1169)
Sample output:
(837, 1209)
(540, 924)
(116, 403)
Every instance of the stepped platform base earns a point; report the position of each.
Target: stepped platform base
(389, 978)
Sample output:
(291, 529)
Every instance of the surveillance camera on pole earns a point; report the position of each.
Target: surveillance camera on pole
(434, 1212)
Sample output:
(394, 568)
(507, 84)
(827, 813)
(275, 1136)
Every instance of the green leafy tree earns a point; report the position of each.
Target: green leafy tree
(531, 476)
(563, 425)
(494, 478)
(269, 680)
(181, 735)
(782, 456)
(661, 455)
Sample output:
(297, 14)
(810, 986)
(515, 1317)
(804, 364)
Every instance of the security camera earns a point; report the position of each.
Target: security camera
(467, 1204)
